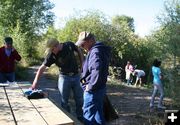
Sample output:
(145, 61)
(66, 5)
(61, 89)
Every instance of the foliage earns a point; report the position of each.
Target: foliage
(119, 33)
(170, 28)
(32, 15)
(123, 21)
(125, 44)
(166, 42)
(21, 72)
(51, 33)
(18, 39)
(25, 21)
(93, 21)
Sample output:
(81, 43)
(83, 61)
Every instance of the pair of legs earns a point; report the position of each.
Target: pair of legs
(129, 81)
(4, 77)
(65, 85)
(129, 77)
(138, 80)
(157, 87)
(93, 107)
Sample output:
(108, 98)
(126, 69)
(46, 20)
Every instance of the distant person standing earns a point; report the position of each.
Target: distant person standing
(94, 77)
(129, 70)
(157, 82)
(8, 58)
(139, 75)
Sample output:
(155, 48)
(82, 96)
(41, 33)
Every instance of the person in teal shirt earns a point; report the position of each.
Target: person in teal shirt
(157, 82)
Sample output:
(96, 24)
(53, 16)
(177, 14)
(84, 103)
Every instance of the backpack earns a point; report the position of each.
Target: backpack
(34, 94)
(109, 112)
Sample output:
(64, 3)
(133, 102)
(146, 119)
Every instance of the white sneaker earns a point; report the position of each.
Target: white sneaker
(161, 107)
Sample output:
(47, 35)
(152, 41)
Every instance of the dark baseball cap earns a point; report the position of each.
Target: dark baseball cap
(8, 40)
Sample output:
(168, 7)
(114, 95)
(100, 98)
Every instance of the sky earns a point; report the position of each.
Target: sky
(144, 12)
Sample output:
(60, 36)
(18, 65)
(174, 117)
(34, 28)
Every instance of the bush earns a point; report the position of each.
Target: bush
(21, 72)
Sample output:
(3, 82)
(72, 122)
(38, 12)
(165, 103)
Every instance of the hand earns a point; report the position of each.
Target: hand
(33, 87)
(83, 81)
(87, 88)
(12, 49)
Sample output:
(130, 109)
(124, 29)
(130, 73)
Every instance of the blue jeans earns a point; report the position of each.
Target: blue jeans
(157, 87)
(93, 107)
(4, 77)
(65, 85)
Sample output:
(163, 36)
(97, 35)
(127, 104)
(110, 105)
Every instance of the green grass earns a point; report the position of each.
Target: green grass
(21, 72)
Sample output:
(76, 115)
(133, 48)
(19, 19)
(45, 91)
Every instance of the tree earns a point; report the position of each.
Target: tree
(123, 21)
(170, 28)
(124, 43)
(92, 21)
(31, 17)
(168, 38)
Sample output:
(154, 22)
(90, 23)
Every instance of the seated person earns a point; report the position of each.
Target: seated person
(139, 74)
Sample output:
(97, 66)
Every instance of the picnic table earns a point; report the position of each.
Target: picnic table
(16, 109)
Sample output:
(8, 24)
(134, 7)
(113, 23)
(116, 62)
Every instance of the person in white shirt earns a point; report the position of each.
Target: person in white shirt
(139, 74)
(129, 70)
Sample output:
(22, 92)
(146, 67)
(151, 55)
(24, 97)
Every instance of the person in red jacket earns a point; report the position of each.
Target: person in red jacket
(8, 57)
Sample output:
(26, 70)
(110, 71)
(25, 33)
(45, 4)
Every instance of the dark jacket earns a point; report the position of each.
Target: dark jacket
(7, 64)
(95, 68)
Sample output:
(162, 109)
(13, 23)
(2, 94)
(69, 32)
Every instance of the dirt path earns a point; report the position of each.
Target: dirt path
(131, 104)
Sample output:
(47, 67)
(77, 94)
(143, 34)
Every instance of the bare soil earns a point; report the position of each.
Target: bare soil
(131, 103)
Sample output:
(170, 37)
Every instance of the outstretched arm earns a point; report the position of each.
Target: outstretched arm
(38, 74)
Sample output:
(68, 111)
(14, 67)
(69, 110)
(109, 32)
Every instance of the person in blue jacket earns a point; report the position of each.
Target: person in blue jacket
(94, 77)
